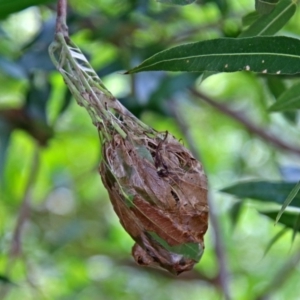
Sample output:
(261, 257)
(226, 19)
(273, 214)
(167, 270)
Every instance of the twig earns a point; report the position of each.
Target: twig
(16, 244)
(281, 277)
(61, 21)
(223, 275)
(253, 128)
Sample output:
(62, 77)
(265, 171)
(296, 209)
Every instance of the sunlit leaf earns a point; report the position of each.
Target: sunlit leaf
(5, 279)
(271, 23)
(275, 239)
(277, 87)
(288, 200)
(289, 100)
(269, 55)
(296, 227)
(263, 191)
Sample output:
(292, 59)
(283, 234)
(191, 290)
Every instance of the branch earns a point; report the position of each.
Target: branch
(16, 243)
(61, 20)
(16, 246)
(251, 127)
(223, 276)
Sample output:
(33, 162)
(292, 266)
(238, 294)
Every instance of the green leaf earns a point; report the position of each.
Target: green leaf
(271, 23)
(235, 212)
(250, 18)
(288, 200)
(288, 219)
(289, 100)
(5, 134)
(264, 191)
(277, 87)
(5, 279)
(12, 6)
(188, 250)
(265, 6)
(272, 55)
(176, 2)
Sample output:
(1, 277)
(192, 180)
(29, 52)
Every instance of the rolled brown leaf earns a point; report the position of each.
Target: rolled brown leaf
(159, 191)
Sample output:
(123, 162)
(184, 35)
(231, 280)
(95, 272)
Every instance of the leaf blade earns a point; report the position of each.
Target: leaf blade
(271, 23)
(264, 191)
(288, 100)
(272, 55)
(288, 201)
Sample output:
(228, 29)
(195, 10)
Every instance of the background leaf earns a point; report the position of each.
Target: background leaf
(289, 100)
(291, 196)
(263, 191)
(271, 23)
(288, 219)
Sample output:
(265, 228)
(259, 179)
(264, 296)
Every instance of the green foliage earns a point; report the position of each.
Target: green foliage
(289, 100)
(270, 23)
(267, 55)
(59, 237)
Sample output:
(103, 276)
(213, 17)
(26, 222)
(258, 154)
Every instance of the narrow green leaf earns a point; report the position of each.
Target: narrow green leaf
(269, 55)
(289, 100)
(288, 200)
(277, 87)
(176, 2)
(288, 219)
(265, 6)
(188, 250)
(275, 239)
(12, 6)
(271, 23)
(5, 279)
(235, 212)
(250, 18)
(263, 191)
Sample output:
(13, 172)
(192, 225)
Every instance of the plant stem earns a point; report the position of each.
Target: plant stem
(61, 21)
(223, 275)
(251, 127)
(24, 212)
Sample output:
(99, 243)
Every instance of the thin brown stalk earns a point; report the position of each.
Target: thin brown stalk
(249, 125)
(61, 23)
(223, 275)
(24, 212)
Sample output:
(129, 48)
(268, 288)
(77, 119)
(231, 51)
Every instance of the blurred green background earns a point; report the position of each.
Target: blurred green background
(59, 237)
